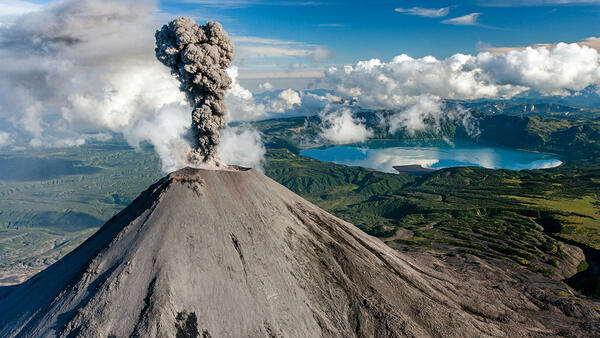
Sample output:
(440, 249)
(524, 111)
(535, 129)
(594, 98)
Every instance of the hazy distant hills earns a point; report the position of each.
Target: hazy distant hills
(589, 97)
(534, 108)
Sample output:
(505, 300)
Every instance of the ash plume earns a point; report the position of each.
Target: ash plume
(199, 56)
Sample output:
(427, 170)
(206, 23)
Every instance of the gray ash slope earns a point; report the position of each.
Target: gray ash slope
(233, 253)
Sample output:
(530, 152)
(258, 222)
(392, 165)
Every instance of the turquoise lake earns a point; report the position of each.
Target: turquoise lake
(433, 154)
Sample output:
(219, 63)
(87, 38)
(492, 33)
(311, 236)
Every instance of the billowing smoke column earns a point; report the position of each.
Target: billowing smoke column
(199, 56)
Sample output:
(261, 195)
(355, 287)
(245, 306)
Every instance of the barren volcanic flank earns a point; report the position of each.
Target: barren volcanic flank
(231, 253)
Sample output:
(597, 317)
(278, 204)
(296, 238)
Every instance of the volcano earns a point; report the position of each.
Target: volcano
(232, 253)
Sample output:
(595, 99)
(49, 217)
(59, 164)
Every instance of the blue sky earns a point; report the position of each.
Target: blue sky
(348, 31)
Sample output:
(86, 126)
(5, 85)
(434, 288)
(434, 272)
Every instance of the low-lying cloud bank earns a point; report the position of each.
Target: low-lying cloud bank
(340, 126)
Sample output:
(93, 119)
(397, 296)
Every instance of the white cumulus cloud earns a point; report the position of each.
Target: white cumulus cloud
(400, 82)
(547, 70)
(265, 86)
(241, 104)
(289, 98)
(5, 139)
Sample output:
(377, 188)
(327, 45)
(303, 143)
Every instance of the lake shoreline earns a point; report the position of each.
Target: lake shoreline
(421, 156)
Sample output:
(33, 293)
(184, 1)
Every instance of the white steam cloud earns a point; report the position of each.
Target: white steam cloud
(77, 70)
(339, 126)
(242, 145)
